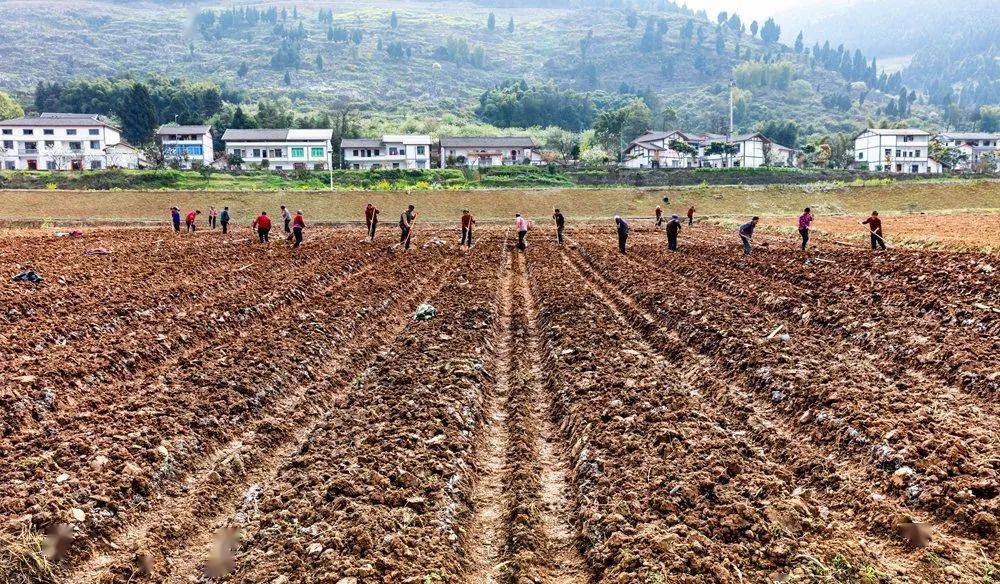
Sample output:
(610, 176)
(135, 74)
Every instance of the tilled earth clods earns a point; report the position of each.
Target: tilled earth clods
(204, 408)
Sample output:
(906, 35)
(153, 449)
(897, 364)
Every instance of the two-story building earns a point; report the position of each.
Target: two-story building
(974, 145)
(894, 150)
(678, 149)
(486, 151)
(186, 145)
(390, 151)
(280, 149)
(59, 141)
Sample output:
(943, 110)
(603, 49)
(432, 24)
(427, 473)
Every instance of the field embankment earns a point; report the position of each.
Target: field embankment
(40, 207)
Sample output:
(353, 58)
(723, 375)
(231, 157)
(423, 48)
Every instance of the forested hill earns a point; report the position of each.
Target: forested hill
(412, 58)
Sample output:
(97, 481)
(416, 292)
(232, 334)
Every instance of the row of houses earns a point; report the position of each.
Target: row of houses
(61, 141)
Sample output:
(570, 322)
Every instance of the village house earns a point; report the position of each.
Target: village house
(974, 145)
(667, 150)
(486, 151)
(898, 150)
(281, 149)
(58, 141)
(390, 151)
(186, 145)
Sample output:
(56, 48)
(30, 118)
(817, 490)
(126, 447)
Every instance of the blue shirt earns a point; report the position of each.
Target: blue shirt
(175, 215)
(747, 229)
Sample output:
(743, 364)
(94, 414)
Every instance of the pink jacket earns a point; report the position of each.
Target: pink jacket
(522, 224)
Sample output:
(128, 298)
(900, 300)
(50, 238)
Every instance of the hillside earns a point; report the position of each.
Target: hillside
(432, 57)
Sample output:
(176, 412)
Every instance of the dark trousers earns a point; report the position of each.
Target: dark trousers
(263, 234)
(746, 244)
(559, 234)
(805, 237)
(672, 241)
(225, 226)
(288, 222)
(877, 240)
(690, 220)
(659, 221)
(621, 241)
(190, 226)
(371, 230)
(404, 237)
(297, 233)
(466, 236)
(212, 222)
(521, 243)
(177, 225)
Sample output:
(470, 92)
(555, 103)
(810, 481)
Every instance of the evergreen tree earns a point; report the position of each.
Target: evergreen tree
(799, 45)
(754, 27)
(288, 78)
(771, 32)
(240, 120)
(319, 62)
(138, 115)
(491, 22)
(243, 70)
(510, 24)
(393, 21)
(720, 42)
(631, 20)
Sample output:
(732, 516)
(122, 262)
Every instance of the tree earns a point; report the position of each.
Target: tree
(948, 156)
(631, 20)
(720, 42)
(234, 160)
(288, 78)
(138, 115)
(754, 27)
(9, 108)
(799, 45)
(616, 128)
(393, 21)
(510, 24)
(241, 121)
(989, 118)
(594, 156)
(682, 147)
(491, 22)
(243, 70)
(771, 32)
(319, 62)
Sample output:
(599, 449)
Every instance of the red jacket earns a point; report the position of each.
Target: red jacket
(191, 217)
(262, 222)
(298, 221)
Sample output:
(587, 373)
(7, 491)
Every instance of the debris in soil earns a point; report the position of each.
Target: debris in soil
(425, 312)
(97, 251)
(26, 276)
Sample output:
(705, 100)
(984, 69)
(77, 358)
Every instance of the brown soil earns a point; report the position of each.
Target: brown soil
(205, 408)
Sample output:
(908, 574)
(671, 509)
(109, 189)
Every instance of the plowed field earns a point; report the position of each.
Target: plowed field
(203, 408)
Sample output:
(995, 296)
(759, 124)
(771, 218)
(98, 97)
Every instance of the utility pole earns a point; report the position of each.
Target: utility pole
(732, 91)
(331, 166)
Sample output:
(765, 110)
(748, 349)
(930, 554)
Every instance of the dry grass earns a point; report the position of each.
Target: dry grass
(23, 559)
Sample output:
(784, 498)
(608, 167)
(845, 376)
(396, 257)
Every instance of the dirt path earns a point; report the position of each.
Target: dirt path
(488, 532)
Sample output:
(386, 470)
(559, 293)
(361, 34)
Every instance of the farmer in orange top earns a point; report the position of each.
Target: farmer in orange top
(298, 224)
(467, 221)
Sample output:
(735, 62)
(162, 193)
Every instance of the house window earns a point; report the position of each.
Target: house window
(916, 154)
(395, 165)
(7, 132)
(907, 138)
(71, 132)
(76, 145)
(377, 152)
(355, 154)
(317, 153)
(95, 144)
(8, 144)
(393, 151)
(888, 152)
(48, 131)
(95, 165)
(421, 150)
(50, 165)
(256, 152)
(50, 144)
(278, 153)
(898, 153)
(298, 152)
(93, 131)
(9, 165)
(914, 168)
(28, 132)
(861, 155)
(356, 166)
